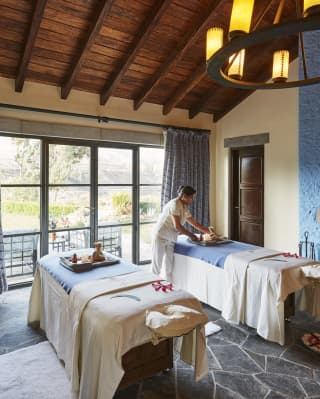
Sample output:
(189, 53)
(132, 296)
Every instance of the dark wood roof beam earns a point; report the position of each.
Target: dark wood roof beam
(197, 108)
(239, 99)
(140, 39)
(184, 89)
(32, 35)
(209, 97)
(93, 31)
(176, 55)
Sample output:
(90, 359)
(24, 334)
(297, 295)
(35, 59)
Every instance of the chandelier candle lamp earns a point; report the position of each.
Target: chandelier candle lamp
(236, 64)
(240, 21)
(311, 7)
(226, 61)
(214, 41)
(280, 69)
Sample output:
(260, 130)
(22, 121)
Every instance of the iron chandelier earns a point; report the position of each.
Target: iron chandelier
(226, 61)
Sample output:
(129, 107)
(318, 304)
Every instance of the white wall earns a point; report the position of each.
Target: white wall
(274, 112)
(48, 97)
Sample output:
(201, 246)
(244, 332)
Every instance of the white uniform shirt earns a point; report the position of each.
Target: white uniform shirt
(165, 228)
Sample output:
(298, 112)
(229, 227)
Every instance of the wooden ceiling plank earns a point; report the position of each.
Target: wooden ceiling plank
(139, 41)
(27, 52)
(184, 89)
(21, 6)
(22, 17)
(92, 33)
(176, 55)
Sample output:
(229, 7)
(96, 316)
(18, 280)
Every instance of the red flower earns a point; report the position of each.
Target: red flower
(163, 285)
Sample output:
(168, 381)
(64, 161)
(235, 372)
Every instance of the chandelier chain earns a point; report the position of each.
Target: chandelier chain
(279, 12)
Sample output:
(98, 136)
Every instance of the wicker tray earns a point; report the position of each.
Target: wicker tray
(86, 266)
(210, 243)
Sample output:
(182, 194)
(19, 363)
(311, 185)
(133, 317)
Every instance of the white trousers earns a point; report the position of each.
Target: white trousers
(162, 257)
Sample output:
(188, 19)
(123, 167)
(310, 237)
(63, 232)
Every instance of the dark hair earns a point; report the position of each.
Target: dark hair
(187, 190)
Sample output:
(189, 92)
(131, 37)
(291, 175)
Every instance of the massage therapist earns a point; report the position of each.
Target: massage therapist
(170, 223)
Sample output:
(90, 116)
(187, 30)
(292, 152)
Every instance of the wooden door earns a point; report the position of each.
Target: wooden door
(247, 190)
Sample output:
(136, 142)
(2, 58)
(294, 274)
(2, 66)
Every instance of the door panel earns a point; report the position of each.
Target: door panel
(250, 169)
(247, 213)
(251, 203)
(251, 232)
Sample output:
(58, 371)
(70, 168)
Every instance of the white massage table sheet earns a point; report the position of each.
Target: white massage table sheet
(260, 301)
(98, 331)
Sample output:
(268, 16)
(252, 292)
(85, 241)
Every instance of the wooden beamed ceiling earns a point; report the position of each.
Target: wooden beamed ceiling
(188, 39)
(93, 31)
(142, 50)
(136, 45)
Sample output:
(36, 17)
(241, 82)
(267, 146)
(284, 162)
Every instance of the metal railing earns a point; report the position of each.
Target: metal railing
(67, 240)
(110, 236)
(20, 254)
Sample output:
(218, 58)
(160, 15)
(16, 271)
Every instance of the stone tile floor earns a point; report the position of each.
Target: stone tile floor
(242, 365)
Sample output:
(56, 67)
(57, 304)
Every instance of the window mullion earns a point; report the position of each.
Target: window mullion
(94, 195)
(44, 197)
(135, 207)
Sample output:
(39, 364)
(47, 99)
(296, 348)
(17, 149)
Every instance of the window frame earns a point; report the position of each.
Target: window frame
(93, 184)
(141, 185)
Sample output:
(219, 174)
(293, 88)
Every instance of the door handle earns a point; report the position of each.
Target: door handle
(236, 207)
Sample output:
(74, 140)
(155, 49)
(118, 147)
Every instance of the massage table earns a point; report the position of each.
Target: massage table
(268, 290)
(95, 321)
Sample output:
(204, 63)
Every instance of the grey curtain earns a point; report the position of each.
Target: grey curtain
(187, 163)
(3, 279)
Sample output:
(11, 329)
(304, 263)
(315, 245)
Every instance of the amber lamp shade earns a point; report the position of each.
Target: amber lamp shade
(236, 62)
(214, 41)
(241, 15)
(311, 7)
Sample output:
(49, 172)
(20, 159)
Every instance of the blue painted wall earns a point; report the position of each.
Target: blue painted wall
(309, 144)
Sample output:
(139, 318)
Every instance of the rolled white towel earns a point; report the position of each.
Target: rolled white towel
(211, 328)
(312, 271)
(173, 320)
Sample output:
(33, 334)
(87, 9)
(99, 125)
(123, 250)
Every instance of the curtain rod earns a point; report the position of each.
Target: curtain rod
(100, 119)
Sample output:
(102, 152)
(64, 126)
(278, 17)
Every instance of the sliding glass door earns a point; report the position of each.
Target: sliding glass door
(115, 200)
(150, 179)
(107, 193)
(20, 178)
(69, 199)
